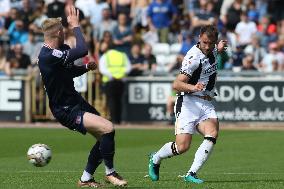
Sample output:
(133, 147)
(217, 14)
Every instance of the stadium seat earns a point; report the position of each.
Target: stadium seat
(162, 62)
(162, 59)
(172, 58)
(175, 48)
(161, 48)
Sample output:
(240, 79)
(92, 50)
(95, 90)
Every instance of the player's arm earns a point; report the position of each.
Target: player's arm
(189, 64)
(80, 70)
(81, 48)
(222, 45)
(181, 84)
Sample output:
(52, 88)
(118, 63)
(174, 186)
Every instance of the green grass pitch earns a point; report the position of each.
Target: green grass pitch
(241, 159)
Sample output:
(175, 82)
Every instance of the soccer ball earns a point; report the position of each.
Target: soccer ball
(39, 155)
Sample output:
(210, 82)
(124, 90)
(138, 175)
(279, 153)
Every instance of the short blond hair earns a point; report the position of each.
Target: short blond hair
(51, 25)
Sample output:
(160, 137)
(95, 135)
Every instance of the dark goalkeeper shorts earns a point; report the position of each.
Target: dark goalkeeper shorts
(72, 116)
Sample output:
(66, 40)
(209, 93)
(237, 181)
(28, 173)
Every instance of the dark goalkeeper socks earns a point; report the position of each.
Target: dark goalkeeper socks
(107, 149)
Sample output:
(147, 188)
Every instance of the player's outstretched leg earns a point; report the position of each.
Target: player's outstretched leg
(94, 160)
(107, 149)
(192, 177)
(103, 130)
(153, 168)
(200, 158)
(168, 150)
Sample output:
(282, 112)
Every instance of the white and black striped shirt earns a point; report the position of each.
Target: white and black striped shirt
(201, 68)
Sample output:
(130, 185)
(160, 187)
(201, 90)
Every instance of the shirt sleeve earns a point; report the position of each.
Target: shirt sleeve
(189, 64)
(78, 70)
(67, 57)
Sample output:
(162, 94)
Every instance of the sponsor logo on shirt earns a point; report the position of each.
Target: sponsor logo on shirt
(57, 53)
(211, 69)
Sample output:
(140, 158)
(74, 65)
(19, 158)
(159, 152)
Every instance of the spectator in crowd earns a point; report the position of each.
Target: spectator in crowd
(4, 8)
(279, 57)
(245, 29)
(174, 67)
(39, 16)
(191, 6)
(47, 2)
(236, 59)
(281, 43)
(32, 48)
(184, 30)
(257, 51)
(248, 64)
(266, 30)
(122, 34)
(95, 11)
(177, 23)
(179, 4)
(270, 61)
(275, 9)
(225, 6)
(232, 17)
(2, 26)
(150, 36)
(253, 13)
(138, 13)
(104, 44)
(17, 33)
(176, 29)
(137, 61)
(16, 4)
(27, 14)
(137, 32)
(149, 59)
(86, 6)
(107, 24)
(4, 66)
(55, 9)
(161, 13)
(114, 66)
(121, 6)
(261, 6)
(13, 14)
(19, 62)
(204, 16)
(187, 43)
(281, 28)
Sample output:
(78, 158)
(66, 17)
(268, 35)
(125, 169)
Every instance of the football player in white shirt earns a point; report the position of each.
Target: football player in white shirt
(193, 108)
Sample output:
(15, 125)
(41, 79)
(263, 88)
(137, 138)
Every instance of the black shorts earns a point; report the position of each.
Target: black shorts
(72, 116)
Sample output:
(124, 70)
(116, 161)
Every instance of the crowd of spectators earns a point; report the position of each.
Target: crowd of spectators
(154, 34)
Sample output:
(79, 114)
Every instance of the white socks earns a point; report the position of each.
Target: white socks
(86, 176)
(168, 150)
(202, 154)
(109, 171)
